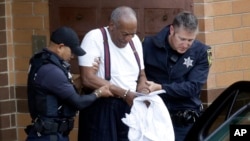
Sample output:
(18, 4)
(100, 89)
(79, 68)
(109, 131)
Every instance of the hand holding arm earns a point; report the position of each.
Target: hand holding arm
(153, 86)
(96, 64)
(103, 92)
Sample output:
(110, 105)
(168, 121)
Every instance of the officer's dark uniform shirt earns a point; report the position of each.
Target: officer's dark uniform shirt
(51, 89)
(59, 86)
(181, 75)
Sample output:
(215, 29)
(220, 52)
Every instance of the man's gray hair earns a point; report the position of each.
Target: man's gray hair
(187, 20)
(121, 11)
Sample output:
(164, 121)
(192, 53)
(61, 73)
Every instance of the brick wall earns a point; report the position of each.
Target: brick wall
(7, 98)
(224, 25)
(20, 19)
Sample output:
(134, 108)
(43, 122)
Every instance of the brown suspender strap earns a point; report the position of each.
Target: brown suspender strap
(107, 54)
(135, 53)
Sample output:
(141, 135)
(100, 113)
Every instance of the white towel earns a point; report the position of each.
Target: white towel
(152, 123)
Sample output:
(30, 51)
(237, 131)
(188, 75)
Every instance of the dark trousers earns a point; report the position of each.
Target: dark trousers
(33, 136)
(181, 131)
(102, 121)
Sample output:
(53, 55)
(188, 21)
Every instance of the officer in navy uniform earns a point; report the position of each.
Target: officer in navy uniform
(180, 65)
(52, 98)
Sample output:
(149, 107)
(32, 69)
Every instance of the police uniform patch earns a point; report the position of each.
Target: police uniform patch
(188, 62)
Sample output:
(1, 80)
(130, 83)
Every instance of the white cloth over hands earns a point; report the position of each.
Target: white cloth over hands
(152, 123)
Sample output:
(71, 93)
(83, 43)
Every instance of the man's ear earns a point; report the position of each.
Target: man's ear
(171, 29)
(111, 25)
(59, 48)
(61, 45)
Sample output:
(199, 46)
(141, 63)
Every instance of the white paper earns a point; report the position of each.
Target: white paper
(150, 94)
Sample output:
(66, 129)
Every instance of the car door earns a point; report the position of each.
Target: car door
(222, 133)
(220, 111)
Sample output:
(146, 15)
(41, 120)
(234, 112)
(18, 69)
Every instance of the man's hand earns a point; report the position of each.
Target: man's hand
(129, 98)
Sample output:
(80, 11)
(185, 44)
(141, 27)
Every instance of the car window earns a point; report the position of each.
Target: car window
(236, 102)
(223, 132)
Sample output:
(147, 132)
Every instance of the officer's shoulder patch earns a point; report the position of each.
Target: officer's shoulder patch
(209, 56)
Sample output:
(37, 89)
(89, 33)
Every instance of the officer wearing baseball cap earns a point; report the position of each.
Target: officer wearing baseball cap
(52, 98)
(68, 37)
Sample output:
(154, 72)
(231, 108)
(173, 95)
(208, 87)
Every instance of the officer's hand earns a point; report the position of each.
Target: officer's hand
(144, 90)
(104, 91)
(96, 63)
(153, 86)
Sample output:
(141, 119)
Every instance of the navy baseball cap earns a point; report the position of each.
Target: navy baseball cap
(69, 38)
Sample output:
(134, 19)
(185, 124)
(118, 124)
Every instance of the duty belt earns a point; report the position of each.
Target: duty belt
(48, 127)
(184, 117)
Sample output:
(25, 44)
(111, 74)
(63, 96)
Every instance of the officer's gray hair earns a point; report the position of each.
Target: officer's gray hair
(121, 11)
(187, 20)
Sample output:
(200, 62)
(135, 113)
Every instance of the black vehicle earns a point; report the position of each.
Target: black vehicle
(232, 107)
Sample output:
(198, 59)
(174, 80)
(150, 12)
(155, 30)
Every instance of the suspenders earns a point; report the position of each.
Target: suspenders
(107, 54)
